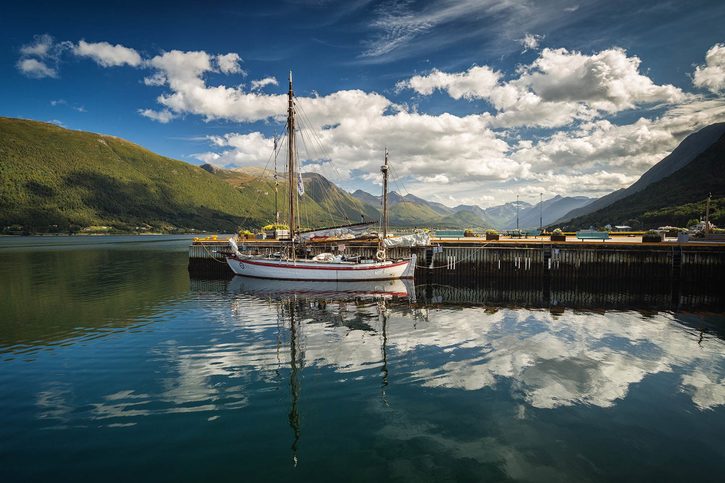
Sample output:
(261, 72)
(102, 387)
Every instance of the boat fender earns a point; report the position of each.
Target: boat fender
(380, 255)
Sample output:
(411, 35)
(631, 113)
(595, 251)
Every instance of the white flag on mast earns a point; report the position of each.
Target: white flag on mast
(300, 185)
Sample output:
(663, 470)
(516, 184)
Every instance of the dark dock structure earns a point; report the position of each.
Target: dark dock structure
(552, 264)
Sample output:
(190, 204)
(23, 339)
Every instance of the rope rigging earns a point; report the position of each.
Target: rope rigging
(333, 204)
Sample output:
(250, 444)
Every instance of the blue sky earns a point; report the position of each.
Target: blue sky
(477, 100)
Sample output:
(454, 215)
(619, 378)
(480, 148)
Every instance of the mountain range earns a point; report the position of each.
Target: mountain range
(681, 156)
(58, 180)
(404, 210)
(670, 195)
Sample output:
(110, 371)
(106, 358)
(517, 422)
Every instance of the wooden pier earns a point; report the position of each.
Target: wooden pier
(555, 263)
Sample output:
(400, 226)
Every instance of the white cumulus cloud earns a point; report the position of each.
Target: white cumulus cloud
(608, 80)
(229, 63)
(262, 83)
(40, 58)
(108, 55)
(476, 82)
(163, 116)
(36, 69)
(41, 46)
(712, 75)
(247, 149)
(557, 88)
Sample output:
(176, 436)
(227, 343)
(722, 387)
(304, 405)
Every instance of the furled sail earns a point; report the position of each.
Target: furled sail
(354, 230)
(418, 239)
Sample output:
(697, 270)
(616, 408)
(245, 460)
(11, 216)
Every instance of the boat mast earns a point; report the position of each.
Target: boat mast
(291, 161)
(276, 187)
(384, 170)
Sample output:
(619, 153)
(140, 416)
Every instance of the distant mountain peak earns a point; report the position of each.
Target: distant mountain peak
(673, 200)
(690, 147)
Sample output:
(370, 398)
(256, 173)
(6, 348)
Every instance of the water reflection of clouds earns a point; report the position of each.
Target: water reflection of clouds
(576, 358)
(197, 382)
(553, 360)
(54, 403)
(550, 360)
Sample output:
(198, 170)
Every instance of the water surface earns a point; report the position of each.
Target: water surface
(115, 365)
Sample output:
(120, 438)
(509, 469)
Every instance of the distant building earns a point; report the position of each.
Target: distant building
(622, 228)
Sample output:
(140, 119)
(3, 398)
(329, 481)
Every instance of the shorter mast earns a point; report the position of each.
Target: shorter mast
(384, 170)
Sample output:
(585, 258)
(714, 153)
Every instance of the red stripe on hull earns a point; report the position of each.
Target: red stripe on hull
(322, 280)
(306, 267)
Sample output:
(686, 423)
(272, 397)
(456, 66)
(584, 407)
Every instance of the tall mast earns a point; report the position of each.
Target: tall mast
(384, 170)
(291, 161)
(276, 187)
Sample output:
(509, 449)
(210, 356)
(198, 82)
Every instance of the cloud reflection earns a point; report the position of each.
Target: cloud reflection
(551, 360)
(546, 360)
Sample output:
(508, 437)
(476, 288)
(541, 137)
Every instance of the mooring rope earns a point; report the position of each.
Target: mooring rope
(211, 254)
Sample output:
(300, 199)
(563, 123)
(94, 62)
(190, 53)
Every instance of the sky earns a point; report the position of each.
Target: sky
(476, 101)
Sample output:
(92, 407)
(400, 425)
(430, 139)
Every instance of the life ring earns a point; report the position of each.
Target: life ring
(380, 255)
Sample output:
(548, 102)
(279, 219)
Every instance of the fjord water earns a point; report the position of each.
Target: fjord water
(115, 365)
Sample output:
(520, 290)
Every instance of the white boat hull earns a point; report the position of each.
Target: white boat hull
(310, 270)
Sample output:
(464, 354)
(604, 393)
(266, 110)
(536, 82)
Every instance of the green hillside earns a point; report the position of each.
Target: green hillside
(57, 180)
(673, 200)
(412, 214)
(323, 203)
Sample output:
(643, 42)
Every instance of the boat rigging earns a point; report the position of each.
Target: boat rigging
(325, 266)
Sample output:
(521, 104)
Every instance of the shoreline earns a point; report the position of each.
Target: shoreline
(48, 235)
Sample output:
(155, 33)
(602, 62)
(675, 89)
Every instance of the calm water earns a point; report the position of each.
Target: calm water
(114, 365)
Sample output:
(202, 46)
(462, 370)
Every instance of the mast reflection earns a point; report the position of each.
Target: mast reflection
(294, 383)
(382, 310)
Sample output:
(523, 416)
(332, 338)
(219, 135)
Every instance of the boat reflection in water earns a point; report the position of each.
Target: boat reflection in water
(371, 289)
(296, 300)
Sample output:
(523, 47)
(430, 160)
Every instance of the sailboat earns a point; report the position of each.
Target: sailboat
(323, 267)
